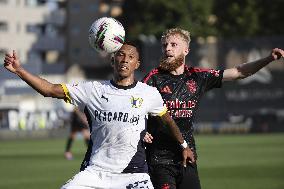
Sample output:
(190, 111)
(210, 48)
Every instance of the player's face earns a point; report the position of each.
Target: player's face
(174, 50)
(126, 61)
(173, 47)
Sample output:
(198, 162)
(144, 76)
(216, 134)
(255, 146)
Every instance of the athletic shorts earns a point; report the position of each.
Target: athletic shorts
(175, 176)
(91, 179)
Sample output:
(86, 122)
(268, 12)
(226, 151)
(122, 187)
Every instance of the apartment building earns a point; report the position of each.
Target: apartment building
(51, 39)
(35, 29)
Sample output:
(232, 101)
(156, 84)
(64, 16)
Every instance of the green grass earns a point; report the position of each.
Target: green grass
(31, 164)
(225, 162)
(241, 161)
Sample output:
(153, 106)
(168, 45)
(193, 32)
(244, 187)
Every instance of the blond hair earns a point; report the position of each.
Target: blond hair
(184, 34)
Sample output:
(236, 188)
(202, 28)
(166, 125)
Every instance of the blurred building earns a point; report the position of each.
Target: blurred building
(35, 29)
(81, 14)
(51, 39)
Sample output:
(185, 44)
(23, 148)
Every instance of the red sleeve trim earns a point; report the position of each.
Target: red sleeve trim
(153, 72)
(194, 70)
(191, 70)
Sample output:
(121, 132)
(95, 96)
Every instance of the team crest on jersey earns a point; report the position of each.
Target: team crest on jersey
(191, 86)
(136, 102)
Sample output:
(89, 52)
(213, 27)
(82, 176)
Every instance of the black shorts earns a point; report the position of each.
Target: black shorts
(175, 176)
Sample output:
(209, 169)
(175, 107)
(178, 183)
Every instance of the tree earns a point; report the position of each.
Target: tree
(247, 18)
(271, 16)
(155, 16)
(221, 18)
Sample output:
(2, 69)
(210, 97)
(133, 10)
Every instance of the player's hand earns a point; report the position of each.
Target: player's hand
(188, 156)
(148, 138)
(277, 53)
(12, 62)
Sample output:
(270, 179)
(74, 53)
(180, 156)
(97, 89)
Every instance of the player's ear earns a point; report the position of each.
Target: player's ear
(137, 64)
(186, 51)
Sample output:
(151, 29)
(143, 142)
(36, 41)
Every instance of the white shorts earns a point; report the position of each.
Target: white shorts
(88, 179)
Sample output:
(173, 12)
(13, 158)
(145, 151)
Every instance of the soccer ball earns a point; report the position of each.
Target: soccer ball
(106, 34)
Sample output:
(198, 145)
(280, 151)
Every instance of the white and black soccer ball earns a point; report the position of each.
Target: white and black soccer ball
(106, 34)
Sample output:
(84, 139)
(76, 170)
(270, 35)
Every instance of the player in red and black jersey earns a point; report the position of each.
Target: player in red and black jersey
(182, 88)
(181, 94)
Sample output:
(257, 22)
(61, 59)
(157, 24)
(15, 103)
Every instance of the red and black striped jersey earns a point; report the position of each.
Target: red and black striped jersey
(181, 95)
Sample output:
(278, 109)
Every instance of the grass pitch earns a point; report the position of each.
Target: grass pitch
(241, 161)
(225, 162)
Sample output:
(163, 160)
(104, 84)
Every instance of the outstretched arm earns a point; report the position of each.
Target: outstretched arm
(170, 123)
(47, 89)
(248, 69)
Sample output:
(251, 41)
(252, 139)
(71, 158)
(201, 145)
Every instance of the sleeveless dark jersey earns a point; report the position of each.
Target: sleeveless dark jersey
(181, 95)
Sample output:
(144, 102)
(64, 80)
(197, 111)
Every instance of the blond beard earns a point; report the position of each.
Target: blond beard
(170, 66)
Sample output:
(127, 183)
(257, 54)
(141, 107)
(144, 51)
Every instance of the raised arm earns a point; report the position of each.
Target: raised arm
(247, 69)
(186, 153)
(42, 86)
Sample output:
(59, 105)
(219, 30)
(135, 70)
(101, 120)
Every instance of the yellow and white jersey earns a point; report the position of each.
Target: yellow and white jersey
(117, 117)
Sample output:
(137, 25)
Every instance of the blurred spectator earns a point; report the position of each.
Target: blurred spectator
(79, 123)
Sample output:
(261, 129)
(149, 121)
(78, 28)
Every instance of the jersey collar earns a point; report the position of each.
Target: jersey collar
(172, 75)
(124, 87)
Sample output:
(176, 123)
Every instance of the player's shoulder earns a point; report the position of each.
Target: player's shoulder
(202, 71)
(90, 85)
(148, 91)
(145, 87)
(153, 73)
(196, 70)
(100, 83)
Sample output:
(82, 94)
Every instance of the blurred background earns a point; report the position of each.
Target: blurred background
(51, 39)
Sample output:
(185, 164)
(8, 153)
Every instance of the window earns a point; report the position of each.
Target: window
(36, 28)
(31, 3)
(3, 26)
(34, 3)
(33, 29)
